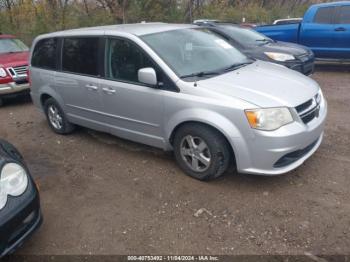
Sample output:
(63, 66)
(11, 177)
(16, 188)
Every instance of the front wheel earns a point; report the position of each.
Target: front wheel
(201, 151)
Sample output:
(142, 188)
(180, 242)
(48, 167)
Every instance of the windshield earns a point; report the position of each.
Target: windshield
(11, 45)
(245, 36)
(194, 52)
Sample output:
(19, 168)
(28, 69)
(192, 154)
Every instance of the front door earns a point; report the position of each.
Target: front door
(132, 109)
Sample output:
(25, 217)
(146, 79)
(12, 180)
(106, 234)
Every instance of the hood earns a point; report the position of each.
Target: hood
(14, 59)
(283, 47)
(264, 84)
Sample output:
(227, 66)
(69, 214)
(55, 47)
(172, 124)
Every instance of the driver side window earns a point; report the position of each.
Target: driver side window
(124, 59)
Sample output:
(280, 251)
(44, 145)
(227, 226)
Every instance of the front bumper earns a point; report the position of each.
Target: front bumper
(19, 219)
(304, 65)
(306, 68)
(13, 88)
(280, 151)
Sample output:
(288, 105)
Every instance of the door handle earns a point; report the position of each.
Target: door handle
(109, 91)
(340, 29)
(91, 87)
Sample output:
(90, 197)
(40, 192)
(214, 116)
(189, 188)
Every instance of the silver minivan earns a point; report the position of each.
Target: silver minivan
(180, 88)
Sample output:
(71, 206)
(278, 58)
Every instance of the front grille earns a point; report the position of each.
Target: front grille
(304, 57)
(18, 71)
(21, 70)
(304, 106)
(309, 110)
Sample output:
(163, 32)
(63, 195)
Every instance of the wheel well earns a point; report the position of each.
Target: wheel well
(171, 139)
(43, 99)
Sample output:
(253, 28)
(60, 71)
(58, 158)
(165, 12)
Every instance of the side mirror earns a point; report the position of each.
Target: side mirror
(147, 76)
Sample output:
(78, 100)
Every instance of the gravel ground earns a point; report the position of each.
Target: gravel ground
(104, 195)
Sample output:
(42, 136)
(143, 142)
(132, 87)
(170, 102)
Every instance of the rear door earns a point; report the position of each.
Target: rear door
(319, 34)
(342, 32)
(78, 81)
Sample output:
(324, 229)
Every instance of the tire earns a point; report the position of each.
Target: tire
(56, 118)
(189, 150)
(1, 102)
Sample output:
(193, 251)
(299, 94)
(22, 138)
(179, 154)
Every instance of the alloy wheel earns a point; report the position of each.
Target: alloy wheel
(195, 152)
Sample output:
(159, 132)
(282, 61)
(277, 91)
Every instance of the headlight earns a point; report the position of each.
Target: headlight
(2, 72)
(269, 119)
(13, 182)
(280, 56)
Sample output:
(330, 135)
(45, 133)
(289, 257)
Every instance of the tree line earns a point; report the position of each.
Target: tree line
(28, 18)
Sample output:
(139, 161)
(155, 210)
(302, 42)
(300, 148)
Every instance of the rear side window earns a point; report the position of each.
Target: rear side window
(324, 15)
(80, 55)
(45, 54)
(344, 15)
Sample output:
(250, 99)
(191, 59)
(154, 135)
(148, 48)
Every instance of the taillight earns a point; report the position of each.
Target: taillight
(4, 76)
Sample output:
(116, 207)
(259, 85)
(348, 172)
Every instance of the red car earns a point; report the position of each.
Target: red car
(13, 67)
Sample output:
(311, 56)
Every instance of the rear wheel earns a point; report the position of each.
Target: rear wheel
(201, 151)
(56, 117)
(1, 102)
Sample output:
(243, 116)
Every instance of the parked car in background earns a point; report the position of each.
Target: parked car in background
(205, 21)
(20, 212)
(181, 88)
(248, 25)
(13, 67)
(287, 21)
(325, 29)
(258, 46)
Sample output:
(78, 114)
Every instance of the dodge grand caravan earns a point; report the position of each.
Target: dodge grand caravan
(181, 88)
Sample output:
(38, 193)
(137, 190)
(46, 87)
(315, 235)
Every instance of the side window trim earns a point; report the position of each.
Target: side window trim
(108, 38)
(59, 54)
(102, 47)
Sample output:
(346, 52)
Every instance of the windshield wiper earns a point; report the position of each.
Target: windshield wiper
(217, 72)
(237, 66)
(200, 74)
(263, 41)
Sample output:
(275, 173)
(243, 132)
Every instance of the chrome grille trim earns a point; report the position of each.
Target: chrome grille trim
(21, 70)
(308, 110)
(18, 72)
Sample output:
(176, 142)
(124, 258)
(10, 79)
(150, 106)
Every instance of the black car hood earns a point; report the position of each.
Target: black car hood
(280, 47)
(9, 153)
